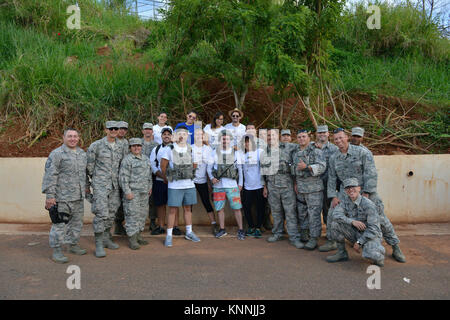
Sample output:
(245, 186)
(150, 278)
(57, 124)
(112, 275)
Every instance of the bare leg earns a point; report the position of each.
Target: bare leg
(238, 216)
(161, 212)
(221, 215)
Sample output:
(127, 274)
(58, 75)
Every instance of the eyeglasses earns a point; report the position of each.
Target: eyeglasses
(338, 130)
(115, 129)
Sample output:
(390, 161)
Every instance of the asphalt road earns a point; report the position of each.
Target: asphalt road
(220, 269)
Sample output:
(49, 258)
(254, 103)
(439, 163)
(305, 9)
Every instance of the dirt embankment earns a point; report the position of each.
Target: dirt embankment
(260, 110)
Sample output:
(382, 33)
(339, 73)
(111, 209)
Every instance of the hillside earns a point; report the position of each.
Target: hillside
(115, 66)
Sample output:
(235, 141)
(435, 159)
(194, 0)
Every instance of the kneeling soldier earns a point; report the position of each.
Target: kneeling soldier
(64, 184)
(356, 219)
(135, 178)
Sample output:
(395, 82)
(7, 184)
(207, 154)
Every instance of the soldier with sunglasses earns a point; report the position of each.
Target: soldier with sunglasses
(103, 161)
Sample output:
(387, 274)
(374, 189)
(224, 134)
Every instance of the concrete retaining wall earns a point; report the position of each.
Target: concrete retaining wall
(414, 189)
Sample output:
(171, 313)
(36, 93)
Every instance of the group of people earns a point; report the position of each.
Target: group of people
(128, 180)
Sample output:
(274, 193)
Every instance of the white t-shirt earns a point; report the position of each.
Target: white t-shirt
(177, 184)
(238, 132)
(157, 132)
(225, 182)
(201, 156)
(213, 135)
(251, 169)
(154, 156)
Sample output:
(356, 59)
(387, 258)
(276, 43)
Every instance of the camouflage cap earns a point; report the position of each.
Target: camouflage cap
(147, 125)
(123, 124)
(135, 141)
(323, 128)
(285, 131)
(111, 124)
(351, 182)
(358, 131)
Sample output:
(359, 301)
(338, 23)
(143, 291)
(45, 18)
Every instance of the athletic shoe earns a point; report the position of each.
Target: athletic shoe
(177, 232)
(250, 232)
(241, 234)
(257, 233)
(221, 233)
(191, 236)
(214, 229)
(158, 231)
(168, 242)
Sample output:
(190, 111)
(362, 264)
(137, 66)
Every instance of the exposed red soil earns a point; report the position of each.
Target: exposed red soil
(259, 109)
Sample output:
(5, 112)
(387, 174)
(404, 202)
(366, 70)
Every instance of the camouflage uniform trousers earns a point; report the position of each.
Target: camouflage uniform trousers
(372, 249)
(309, 207)
(136, 211)
(70, 234)
(120, 214)
(105, 204)
(387, 228)
(326, 203)
(284, 199)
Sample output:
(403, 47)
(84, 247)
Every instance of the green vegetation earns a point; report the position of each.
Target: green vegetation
(312, 52)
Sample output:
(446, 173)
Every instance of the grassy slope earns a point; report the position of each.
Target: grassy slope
(37, 82)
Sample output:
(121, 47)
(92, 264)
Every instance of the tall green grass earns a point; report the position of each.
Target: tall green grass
(404, 31)
(411, 77)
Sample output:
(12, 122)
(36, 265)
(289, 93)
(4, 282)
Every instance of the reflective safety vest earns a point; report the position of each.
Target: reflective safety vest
(183, 167)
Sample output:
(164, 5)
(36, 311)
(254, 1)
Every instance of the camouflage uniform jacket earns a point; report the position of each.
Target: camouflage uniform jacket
(362, 210)
(147, 147)
(279, 174)
(126, 146)
(309, 180)
(65, 174)
(356, 163)
(103, 164)
(135, 174)
(327, 150)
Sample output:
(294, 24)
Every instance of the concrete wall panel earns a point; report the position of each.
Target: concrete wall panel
(414, 189)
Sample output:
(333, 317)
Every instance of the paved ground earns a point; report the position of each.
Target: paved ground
(221, 269)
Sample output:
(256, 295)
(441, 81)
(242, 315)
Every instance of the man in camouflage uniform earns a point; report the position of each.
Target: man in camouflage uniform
(356, 162)
(148, 144)
(123, 129)
(322, 135)
(308, 165)
(103, 162)
(286, 135)
(356, 219)
(357, 137)
(64, 185)
(276, 164)
(135, 178)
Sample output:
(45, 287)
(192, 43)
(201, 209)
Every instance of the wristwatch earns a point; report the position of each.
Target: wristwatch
(359, 243)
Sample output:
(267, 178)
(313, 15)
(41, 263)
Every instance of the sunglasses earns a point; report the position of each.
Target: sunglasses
(338, 130)
(193, 117)
(235, 116)
(115, 129)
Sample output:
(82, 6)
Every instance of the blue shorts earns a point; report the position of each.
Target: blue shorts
(182, 197)
(159, 193)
